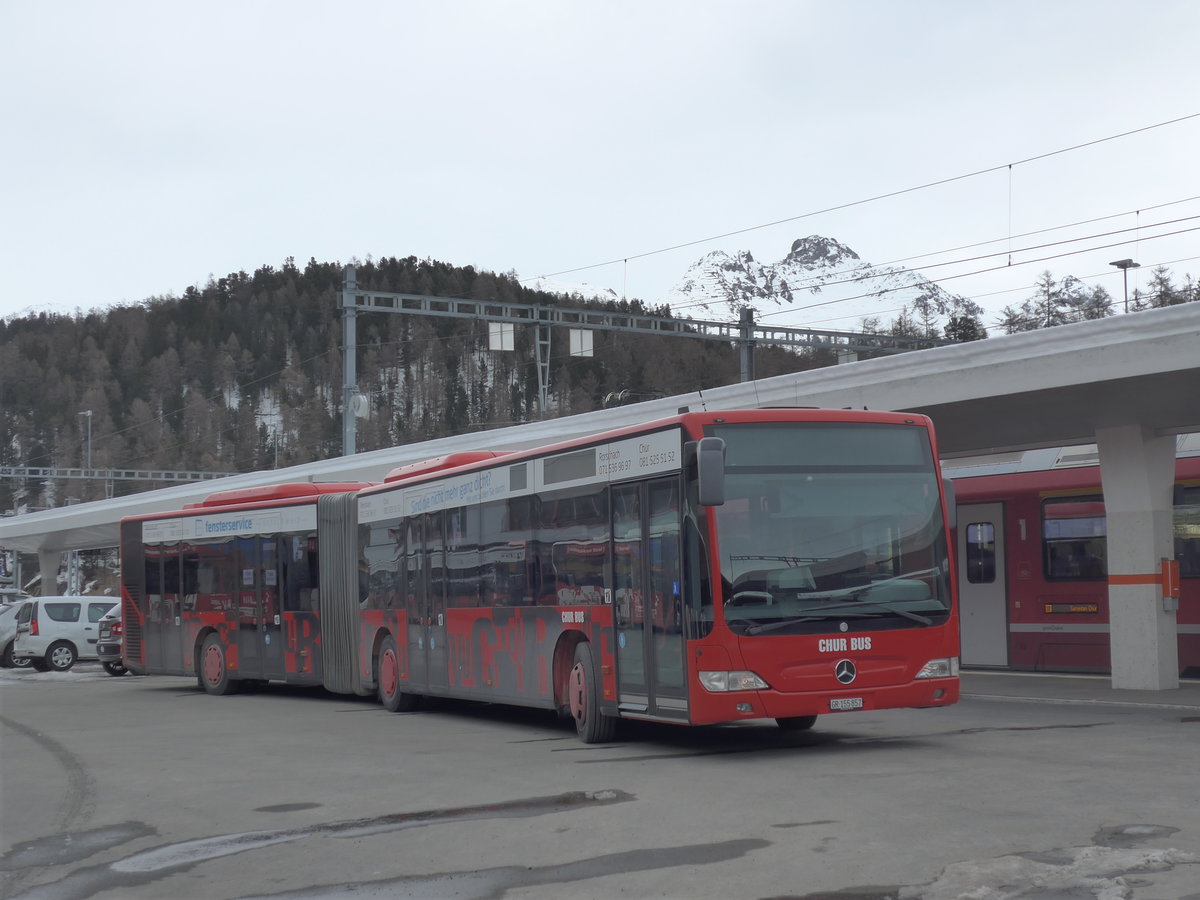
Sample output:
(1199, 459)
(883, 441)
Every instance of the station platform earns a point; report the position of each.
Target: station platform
(1054, 688)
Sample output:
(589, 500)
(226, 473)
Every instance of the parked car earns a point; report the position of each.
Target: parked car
(8, 633)
(110, 644)
(55, 632)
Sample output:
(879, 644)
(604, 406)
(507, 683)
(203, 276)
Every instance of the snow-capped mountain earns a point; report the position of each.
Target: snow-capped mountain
(566, 289)
(50, 309)
(820, 283)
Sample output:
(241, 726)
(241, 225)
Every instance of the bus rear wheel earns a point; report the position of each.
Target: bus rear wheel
(583, 693)
(797, 723)
(387, 678)
(213, 673)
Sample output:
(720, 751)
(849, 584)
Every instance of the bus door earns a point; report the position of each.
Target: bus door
(425, 565)
(249, 638)
(981, 584)
(647, 599)
(155, 628)
(162, 632)
(414, 601)
(171, 610)
(437, 662)
(270, 608)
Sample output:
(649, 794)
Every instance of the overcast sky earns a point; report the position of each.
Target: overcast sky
(151, 145)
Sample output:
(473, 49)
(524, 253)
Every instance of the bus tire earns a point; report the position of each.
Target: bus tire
(387, 679)
(213, 671)
(583, 692)
(796, 723)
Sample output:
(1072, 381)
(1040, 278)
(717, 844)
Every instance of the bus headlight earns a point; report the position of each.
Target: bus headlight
(940, 668)
(718, 682)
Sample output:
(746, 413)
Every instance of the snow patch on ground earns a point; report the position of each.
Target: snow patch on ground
(1099, 871)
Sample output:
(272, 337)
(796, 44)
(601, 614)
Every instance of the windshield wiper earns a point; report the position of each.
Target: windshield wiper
(852, 594)
(858, 605)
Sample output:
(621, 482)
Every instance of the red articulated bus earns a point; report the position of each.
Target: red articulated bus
(706, 568)
(1033, 568)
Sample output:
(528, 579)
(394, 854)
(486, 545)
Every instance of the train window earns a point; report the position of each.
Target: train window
(1187, 530)
(981, 553)
(1074, 539)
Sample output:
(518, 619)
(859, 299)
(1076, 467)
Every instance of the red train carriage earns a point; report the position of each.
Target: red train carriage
(711, 567)
(1033, 570)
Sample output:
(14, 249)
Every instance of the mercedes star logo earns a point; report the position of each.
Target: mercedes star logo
(844, 671)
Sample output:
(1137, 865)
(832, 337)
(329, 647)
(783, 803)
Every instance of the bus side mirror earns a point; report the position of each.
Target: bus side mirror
(951, 504)
(710, 471)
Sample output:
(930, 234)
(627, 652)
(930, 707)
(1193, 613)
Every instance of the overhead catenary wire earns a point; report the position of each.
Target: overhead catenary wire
(853, 203)
(822, 280)
(871, 270)
(1022, 288)
(1026, 262)
(827, 282)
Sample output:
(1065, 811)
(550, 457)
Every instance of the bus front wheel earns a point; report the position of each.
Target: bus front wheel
(213, 673)
(388, 680)
(583, 691)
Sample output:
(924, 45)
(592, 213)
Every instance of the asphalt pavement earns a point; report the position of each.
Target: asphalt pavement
(1077, 689)
(1036, 786)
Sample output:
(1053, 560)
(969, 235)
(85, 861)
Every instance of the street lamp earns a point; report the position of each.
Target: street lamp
(1125, 265)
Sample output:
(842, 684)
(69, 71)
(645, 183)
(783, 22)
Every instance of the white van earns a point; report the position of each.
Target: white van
(55, 632)
(8, 636)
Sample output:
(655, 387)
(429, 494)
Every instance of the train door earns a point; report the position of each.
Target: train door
(647, 600)
(982, 588)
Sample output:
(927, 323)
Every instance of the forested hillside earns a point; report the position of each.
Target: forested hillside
(245, 373)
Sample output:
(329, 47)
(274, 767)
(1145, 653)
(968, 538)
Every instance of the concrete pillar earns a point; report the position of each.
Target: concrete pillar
(48, 563)
(1138, 471)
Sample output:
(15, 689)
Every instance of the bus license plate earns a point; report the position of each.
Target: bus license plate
(842, 703)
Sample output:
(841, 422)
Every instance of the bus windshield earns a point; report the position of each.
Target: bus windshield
(825, 524)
